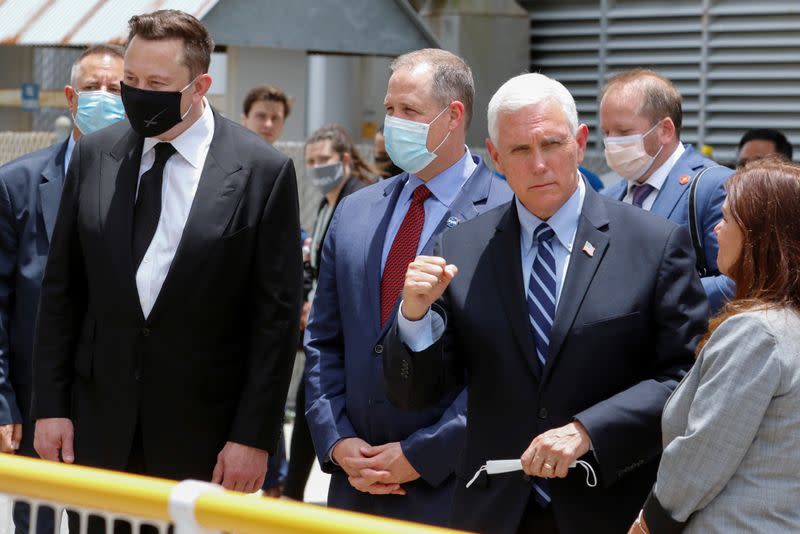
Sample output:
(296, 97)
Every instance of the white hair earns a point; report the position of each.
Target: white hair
(527, 90)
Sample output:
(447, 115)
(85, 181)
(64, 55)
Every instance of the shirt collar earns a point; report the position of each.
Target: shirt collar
(446, 185)
(68, 152)
(564, 222)
(193, 143)
(659, 176)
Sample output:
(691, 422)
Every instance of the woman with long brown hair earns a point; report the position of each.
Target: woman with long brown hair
(731, 460)
(335, 167)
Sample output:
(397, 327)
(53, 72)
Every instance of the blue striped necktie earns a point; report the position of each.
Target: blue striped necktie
(541, 297)
(541, 294)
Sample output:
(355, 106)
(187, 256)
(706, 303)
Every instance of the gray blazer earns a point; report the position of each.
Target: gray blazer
(731, 459)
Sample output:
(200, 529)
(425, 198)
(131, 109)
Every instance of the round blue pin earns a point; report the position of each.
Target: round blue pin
(452, 221)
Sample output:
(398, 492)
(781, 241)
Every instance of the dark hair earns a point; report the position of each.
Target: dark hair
(782, 145)
(660, 97)
(764, 201)
(342, 143)
(174, 24)
(452, 77)
(95, 50)
(267, 93)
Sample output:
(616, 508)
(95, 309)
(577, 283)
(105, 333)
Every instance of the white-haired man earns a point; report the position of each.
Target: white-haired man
(569, 349)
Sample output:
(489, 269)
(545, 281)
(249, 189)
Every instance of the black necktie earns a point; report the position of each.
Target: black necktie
(148, 203)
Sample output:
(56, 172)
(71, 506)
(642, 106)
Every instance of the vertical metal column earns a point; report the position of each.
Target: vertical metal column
(703, 96)
(602, 67)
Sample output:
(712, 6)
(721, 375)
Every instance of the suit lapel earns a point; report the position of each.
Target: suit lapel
(474, 191)
(119, 174)
(505, 254)
(380, 210)
(580, 272)
(221, 186)
(50, 190)
(673, 190)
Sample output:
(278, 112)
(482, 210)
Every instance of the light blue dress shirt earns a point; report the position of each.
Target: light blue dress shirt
(68, 152)
(445, 188)
(419, 335)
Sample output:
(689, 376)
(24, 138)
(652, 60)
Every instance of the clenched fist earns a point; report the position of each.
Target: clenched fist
(426, 279)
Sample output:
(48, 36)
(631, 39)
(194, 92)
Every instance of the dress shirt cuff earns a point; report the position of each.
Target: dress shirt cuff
(330, 453)
(421, 334)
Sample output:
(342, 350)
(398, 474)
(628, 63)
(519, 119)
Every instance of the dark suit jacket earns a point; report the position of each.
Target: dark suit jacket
(213, 360)
(345, 396)
(30, 188)
(672, 202)
(627, 321)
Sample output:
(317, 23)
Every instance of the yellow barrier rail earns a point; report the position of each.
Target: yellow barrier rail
(149, 498)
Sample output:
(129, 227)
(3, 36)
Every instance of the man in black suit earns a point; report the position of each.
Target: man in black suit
(30, 190)
(170, 302)
(570, 316)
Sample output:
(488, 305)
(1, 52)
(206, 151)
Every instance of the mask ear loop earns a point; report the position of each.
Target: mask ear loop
(477, 473)
(591, 477)
(448, 131)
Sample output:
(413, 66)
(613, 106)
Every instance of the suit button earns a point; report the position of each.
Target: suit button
(137, 375)
(378, 349)
(146, 332)
(542, 413)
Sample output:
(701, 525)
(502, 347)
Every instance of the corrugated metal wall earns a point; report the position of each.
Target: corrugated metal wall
(736, 62)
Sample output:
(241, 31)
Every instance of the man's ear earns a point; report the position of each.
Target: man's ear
(582, 138)
(495, 155)
(668, 131)
(69, 92)
(202, 84)
(457, 113)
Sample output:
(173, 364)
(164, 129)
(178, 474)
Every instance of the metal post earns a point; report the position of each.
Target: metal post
(182, 501)
(703, 96)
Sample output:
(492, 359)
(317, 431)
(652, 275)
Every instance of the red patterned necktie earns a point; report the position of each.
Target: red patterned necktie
(403, 252)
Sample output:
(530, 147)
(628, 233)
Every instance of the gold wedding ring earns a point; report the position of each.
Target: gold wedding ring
(547, 466)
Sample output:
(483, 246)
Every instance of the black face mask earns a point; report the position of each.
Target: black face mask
(152, 113)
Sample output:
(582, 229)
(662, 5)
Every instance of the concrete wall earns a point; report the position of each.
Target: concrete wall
(492, 36)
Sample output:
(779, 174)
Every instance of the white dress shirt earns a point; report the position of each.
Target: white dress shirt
(181, 178)
(656, 179)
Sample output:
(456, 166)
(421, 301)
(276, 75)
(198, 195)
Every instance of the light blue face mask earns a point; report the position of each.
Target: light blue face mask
(98, 109)
(407, 142)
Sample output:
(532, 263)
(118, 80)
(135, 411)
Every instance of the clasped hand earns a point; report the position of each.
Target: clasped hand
(379, 470)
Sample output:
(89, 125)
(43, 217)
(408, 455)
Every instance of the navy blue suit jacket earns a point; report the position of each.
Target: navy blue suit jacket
(672, 202)
(345, 395)
(628, 318)
(30, 189)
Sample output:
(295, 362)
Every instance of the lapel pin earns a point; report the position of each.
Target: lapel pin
(452, 222)
(588, 249)
(684, 179)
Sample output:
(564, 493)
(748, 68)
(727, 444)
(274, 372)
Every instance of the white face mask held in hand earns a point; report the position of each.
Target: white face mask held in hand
(495, 467)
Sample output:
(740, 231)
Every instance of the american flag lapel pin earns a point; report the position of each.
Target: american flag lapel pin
(588, 249)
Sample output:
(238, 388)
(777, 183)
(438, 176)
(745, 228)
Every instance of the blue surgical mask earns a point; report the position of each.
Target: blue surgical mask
(98, 109)
(407, 142)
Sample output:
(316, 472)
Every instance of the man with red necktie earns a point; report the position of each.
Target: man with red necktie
(383, 460)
